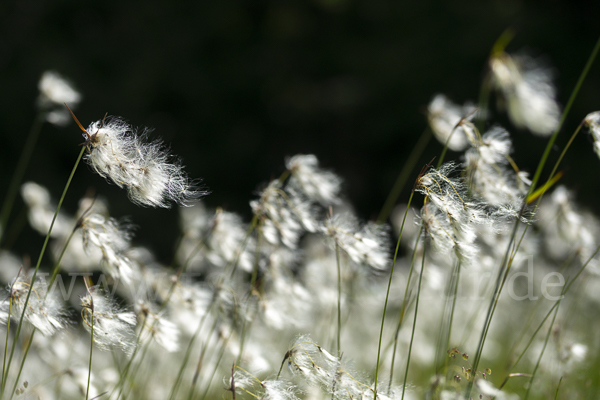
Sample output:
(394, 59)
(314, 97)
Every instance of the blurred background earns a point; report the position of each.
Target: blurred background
(235, 86)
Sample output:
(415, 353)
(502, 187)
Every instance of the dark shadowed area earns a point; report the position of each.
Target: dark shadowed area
(236, 86)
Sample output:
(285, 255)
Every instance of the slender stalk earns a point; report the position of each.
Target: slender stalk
(22, 363)
(125, 370)
(562, 154)
(447, 318)
(570, 102)
(87, 391)
(4, 372)
(404, 307)
(138, 365)
(412, 335)
(254, 292)
(544, 347)
(558, 387)
(531, 339)
(37, 267)
(246, 326)
(57, 266)
(17, 176)
(186, 357)
(182, 269)
(502, 273)
(339, 299)
(215, 370)
(387, 295)
(531, 190)
(196, 375)
(565, 290)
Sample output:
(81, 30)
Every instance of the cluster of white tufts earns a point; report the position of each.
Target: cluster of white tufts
(528, 90)
(483, 264)
(152, 177)
(112, 326)
(112, 239)
(446, 120)
(44, 310)
(55, 92)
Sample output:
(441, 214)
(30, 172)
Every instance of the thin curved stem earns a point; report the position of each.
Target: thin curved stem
(87, 391)
(37, 267)
(339, 300)
(404, 307)
(388, 294)
(412, 335)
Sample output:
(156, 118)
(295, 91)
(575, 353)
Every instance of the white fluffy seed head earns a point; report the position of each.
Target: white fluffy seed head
(41, 211)
(444, 117)
(112, 239)
(113, 326)
(43, 310)
(315, 183)
(488, 173)
(449, 218)
(151, 175)
(155, 326)
(55, 91)
(285, 215)
(592, 120)
(528, 90)
(366, 245)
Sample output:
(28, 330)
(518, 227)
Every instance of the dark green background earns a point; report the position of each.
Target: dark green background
(235, 86)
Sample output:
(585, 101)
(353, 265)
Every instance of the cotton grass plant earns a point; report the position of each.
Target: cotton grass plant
(481, 297)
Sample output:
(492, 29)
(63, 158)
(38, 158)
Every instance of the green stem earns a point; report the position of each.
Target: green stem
(544, 347)
(17, 176)
(212, 376)
(4, 373)
(37, 267)
(196, 375)
(412, 335)
(125, 370)
(137, 367)
(87, 392)
(531, 190)
(22, 363)
(502, 273)
(57, 266)
(387, 295)
(339, 300)
(404, 307)
(570, 102)
(447, 318)
(558, 387)
(187, 355)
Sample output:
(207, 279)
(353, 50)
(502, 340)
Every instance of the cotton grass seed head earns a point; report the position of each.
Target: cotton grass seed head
(365, 245)
(43, 310)
(113, 326)
(449, 217)
(112, 239)
(55, 91)
(125, 156)
(592, 121)
(157, 327)
(528, 91)
(285, 214)
(315, 183)
(445, 119)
